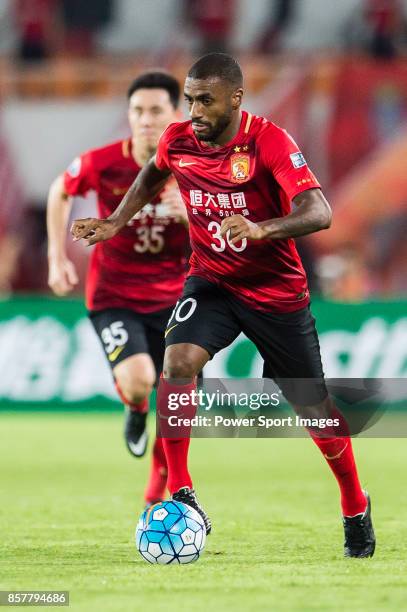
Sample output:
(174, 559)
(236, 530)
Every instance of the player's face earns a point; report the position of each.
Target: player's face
(211, 105)
(150, 111)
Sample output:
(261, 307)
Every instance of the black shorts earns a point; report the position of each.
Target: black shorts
(212, 318)
(124, 333)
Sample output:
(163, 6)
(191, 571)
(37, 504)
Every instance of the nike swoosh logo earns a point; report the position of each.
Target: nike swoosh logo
(114, 354)
(182, 164)
(167, 331)
(338, 455)
(138, 448)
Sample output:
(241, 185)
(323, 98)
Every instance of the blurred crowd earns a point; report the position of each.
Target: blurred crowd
(50, 27)
(373, 266)
(47, 28)
(378, 27)
(376, 270)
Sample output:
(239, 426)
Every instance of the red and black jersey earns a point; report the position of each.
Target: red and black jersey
(143, 267)
(256, 175)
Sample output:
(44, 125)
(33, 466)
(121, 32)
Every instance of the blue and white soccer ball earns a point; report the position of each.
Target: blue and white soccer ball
(170, 532)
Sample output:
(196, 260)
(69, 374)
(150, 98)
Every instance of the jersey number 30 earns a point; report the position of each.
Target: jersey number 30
(220, 245)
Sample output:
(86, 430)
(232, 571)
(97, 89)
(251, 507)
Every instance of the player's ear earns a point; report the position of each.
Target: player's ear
(237, 98)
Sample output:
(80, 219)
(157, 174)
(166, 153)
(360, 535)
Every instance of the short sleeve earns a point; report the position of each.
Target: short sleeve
(161, 156)
(80, 176)
(283, 158)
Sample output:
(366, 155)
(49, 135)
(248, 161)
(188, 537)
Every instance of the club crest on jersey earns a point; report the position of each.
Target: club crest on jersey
(240, 167)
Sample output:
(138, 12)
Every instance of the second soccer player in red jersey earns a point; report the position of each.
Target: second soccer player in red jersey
(134, 280)
(249, 193)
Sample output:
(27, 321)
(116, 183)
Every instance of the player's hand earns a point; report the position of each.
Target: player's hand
(174, 205)
(93, 230)
(240, 228)
(62, 276)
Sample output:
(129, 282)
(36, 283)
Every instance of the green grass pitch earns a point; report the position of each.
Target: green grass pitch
(71, 496)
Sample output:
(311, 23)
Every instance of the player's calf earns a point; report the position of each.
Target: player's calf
(134, 379)
(135, 432)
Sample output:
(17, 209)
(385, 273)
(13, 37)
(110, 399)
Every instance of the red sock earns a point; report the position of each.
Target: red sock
(157, 481)
(176, 452)
(140, 407)
(339, 456)
(175, 447)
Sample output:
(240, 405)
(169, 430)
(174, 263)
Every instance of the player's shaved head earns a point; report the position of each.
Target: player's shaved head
(217, 65)
(213, 90)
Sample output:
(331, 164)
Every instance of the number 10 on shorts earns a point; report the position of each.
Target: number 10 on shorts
(184, 309)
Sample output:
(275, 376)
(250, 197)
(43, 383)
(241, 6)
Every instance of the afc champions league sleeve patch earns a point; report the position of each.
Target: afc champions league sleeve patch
(74, 169)
(298, 160)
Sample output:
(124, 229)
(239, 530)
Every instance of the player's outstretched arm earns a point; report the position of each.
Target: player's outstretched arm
(312, 213)
(62, 276)
(146, 186)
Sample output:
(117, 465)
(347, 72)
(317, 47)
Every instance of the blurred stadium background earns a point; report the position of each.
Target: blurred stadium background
(335, 77)
(334, 73)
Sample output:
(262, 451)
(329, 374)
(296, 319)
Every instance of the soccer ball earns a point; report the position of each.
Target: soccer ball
(170, 532)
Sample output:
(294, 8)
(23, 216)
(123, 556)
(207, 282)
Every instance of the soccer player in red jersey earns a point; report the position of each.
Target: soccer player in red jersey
(134, 280)
(239, 176)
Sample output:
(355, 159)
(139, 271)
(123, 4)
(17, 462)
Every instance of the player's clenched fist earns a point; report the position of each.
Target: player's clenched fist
(240, 228)
(93, 230)
(62, 276)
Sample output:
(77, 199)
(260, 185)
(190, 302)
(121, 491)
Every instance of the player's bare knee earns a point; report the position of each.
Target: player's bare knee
(135, 379)
(180, 365)
(184, 360)
(180, 368)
